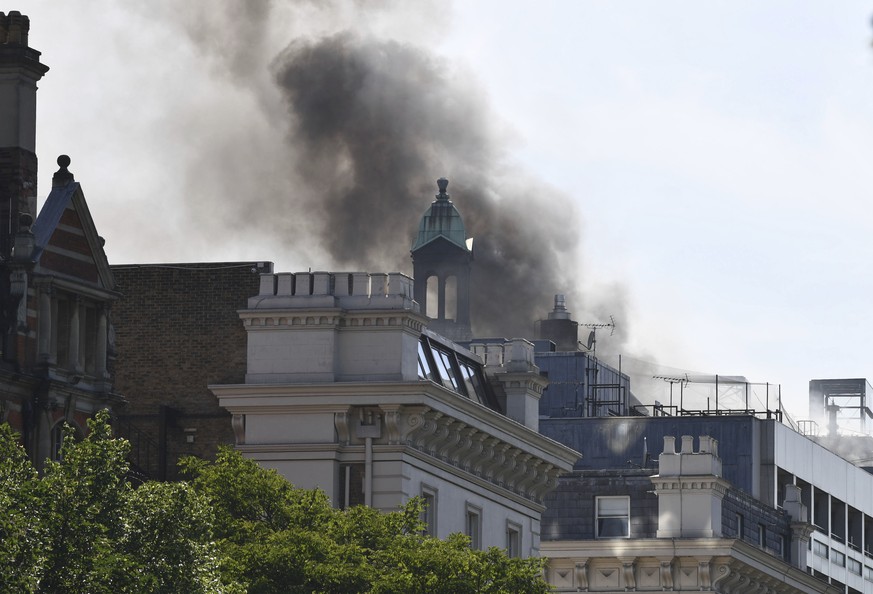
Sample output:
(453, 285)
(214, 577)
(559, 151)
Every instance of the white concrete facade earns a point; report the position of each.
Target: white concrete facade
(335, 398)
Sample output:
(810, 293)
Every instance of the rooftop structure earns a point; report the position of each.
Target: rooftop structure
(442, 259)
(347, 390)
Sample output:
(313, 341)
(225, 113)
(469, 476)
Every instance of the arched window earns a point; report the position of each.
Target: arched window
(58, 438)
(451, 310)
(433, 297)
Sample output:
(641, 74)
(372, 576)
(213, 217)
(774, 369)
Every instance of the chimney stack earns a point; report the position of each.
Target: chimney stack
(559, 328)
(20, 70)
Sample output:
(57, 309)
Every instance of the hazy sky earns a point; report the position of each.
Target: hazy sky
(707, 165)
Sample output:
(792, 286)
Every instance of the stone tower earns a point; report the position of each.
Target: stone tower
(442, 259)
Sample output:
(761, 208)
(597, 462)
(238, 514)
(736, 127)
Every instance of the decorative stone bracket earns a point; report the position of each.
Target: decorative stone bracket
(455, 442)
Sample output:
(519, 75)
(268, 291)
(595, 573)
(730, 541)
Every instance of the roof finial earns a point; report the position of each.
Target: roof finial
(442, 184)
(62, 176)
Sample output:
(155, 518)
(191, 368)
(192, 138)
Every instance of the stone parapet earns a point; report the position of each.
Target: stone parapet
(346, 290)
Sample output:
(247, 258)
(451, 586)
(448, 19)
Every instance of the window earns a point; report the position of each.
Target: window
(444, 365)
(820, 549)
(855, 566)
(513, 540)
(57, 438)
(454, 371)
(762, 535)
(740, 525)
(868, 573)
(472, 382)
(424, 370)
(351, 485)
(839, 558)
(429, 514)
(613, 517)
(473, 526)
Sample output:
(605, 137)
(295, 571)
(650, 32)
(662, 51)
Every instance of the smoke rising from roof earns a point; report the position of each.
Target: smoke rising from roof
(366, 124)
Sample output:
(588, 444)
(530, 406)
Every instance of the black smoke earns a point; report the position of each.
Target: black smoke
(368, 124)
(375, 123)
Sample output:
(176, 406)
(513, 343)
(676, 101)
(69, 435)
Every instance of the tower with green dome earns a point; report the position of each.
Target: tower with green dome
(442, 258)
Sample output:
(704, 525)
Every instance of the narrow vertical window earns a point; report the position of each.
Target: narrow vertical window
(351, 485)
(473, 526)
(429, 513)
(513, 540)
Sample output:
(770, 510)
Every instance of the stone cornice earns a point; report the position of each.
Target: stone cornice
(256, 320)
(333, 397)
(690, 483)
(726, 566)
(464, 437)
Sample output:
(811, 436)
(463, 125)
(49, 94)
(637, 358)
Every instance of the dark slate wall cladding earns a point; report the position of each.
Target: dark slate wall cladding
(617, 442)
(754, 513)
(570, 507)
(568, 385)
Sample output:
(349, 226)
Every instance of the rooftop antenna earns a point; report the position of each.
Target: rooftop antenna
(674, 380)
(592, 336)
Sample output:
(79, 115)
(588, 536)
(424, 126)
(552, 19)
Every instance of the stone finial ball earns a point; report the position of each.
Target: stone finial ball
(442, 184)
(64, 161)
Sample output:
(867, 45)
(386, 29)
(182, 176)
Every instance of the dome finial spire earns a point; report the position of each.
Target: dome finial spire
(442, 184)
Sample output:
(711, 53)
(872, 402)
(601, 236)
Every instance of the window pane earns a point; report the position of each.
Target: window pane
(444, 368)
(424, 370)
(611, 506)
(612, 527)
(450, 370)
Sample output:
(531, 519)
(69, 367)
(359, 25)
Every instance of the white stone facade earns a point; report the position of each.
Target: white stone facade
(336, 398)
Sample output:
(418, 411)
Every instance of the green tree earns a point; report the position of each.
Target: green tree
(81, 527)
(20, 535)
(235, 527)
(276, 539)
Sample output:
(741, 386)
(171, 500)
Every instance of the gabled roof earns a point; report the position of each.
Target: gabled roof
(66, 240)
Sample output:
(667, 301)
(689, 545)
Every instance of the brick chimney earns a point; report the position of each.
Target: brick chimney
(20, 69)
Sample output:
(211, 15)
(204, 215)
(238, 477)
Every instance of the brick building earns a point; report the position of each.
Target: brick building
(177, 330)
(56, 288)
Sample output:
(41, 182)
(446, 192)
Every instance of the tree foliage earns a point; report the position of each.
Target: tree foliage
(82, 528)
(276, 539)
(233, 527)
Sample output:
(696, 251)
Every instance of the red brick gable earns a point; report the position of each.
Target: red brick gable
(67, 251)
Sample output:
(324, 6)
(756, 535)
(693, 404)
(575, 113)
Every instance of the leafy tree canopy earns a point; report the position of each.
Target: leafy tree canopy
(233, 527)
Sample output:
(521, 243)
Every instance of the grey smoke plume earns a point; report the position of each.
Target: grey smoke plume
(376, 123)
(369, 123)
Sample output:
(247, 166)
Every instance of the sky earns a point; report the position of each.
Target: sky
(699, 171)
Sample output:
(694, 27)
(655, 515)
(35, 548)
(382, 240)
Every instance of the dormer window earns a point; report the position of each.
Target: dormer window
(452, 370)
